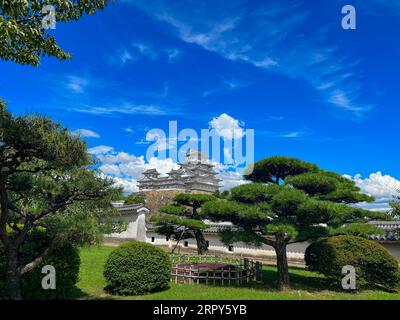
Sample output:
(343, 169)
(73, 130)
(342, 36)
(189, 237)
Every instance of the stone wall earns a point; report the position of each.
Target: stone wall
(158, 198)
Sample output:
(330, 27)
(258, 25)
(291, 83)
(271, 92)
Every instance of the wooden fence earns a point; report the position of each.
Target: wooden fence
(215, 270)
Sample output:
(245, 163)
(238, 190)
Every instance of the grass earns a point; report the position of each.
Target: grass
(306, 285)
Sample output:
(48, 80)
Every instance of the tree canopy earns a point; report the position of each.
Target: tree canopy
(23, 36)
(47, 180)
(288, 201)
(182, 219)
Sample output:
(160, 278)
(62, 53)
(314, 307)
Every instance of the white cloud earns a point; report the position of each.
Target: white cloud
(129, 108)
(128, 185)
(294, 134)
(139, 50)
(110, 169)
(227, 127)
(268, 36)
(77, 84)
(382, 187)
(86, 133)
(122, 57)
(126, 169)
(100, 149)
(231, 179)
(173, 54)
(145, 50)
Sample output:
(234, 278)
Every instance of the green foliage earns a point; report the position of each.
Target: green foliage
(230, 237)
(192, 200)
(282, 226)
(315, 211)
(179, 221)
(224, 194)
(23, 38)
(395, 204)
(360, 230)
(299, 202)
(313, 183)
(65, 259)
(254, 193)
(276, 169)
(136, 269)
(174, 209)
(47, 170)
(183, 219)
(48, 179)
(374, 265)
(244, 216)
(134, 199)
(287, 201)
(328, 186)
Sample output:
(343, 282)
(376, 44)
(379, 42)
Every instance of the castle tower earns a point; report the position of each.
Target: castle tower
(195, 175)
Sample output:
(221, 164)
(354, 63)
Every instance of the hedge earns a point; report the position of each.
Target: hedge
(374, 265)
(137, 268)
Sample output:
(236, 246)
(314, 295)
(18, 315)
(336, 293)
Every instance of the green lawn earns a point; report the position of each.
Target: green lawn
(306, 285)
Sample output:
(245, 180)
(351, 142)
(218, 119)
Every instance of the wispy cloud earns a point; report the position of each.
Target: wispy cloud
(86, 133)
(173, 54)
(283, 135)
(223, 87)
(100, 149)
(122, 57)
(128, 109)
(139, 50)
(77, 84)
(269, 36)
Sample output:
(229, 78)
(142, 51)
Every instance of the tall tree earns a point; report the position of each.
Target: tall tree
(290, 201)
(183, 219)
(47, 180)
(24, 36)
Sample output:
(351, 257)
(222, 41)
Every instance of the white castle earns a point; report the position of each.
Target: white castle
(195, 175)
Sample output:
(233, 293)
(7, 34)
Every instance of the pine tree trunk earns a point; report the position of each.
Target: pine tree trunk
(282, 263)
(201, 241)
(14, 276)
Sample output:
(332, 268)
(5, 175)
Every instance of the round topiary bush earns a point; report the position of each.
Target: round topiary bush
(137, 268)
(374, 265)
(65, 260)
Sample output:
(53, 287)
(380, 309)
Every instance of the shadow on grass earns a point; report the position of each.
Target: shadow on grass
(78, 294)
(300, 279)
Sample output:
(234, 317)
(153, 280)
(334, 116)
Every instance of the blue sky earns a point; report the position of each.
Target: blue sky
(286, 69)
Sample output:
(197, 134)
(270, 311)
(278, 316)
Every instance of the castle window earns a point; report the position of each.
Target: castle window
(153, 239)
(167, 239)
(230, 248)
(208, 243)
(186, 243)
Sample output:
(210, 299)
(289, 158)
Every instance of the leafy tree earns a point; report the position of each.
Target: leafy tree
(183, 219)
(134, 199)
(23, 37)
(290, 201)
(47, 180)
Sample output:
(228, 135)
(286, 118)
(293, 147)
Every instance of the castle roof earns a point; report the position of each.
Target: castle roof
(193, 174)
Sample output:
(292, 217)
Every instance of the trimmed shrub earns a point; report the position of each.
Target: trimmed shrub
(137, 268)
(64, 259)
(374, 265)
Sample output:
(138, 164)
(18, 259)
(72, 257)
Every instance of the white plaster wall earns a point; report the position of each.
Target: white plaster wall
(134, 221)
